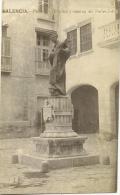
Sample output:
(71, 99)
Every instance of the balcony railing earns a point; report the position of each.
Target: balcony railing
(42, 68)
(6, 59)
(110, 34)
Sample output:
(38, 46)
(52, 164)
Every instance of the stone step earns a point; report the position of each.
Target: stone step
(46, 164)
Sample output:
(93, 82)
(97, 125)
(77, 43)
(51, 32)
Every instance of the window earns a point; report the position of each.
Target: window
(6, 65)
(72, 38)
(43, 42)
(45, 54)
(46, 41)
(4, 31)
(42, 50)
(85, 37)
(6, 46)
(117, 6)
(83, 32)
(42, 53)
(43, 6)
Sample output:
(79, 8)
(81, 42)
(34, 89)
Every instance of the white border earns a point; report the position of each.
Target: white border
(118, 179)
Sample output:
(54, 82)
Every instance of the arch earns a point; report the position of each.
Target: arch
(113, 85)
(86, 112)
(73, 88)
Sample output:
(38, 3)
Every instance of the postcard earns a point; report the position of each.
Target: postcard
(59, 104)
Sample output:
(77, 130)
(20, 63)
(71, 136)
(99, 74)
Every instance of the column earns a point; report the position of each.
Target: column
(106, 113)
(78, 40)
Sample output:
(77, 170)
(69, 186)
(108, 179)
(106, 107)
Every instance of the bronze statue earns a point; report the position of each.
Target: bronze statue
(58, 58)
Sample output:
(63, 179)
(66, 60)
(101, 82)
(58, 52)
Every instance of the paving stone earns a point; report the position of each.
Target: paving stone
(87, 179)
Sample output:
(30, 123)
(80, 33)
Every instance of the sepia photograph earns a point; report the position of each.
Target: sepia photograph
(59, 96)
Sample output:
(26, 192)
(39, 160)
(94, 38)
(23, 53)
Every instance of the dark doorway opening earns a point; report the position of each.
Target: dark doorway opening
(86, 113)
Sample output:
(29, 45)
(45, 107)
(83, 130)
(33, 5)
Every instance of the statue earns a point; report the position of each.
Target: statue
(58, 58)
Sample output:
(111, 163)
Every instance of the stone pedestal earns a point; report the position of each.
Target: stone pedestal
(58, 146)
(61, 125)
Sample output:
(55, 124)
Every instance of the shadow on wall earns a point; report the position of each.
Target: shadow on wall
(39, 123)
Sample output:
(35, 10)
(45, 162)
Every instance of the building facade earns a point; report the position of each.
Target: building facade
(26, 43)
(92, 70)
(93, 31)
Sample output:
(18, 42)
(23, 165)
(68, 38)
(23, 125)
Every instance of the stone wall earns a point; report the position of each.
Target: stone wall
(21, 86)
(97, 67)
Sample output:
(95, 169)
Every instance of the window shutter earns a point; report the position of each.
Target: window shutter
(4, 31)
(38, 58)
(85, 37)
(43, 6)
(38, 54)
(117, 6)
(6, 56)
(7, 47)
(51, 9)
(3, 48)
(72, 38)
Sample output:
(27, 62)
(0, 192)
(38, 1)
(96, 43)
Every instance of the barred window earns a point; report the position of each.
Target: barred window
(72, 38)
(43, 6)
(85, 37)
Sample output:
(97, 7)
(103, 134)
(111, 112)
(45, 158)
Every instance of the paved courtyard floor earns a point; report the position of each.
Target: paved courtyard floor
(84, 179)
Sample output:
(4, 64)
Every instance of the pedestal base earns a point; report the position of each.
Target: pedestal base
(59, 147)
(57, 153)
(44, 164)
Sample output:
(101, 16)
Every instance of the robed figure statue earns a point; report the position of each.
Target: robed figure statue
(58, 57)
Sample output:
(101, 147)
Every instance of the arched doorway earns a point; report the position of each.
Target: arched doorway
(86, 114)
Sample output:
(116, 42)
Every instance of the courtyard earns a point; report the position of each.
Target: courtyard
(16, 179)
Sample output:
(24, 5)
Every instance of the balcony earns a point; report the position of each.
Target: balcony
(6, 59)
(110, 35)
(42, 68)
